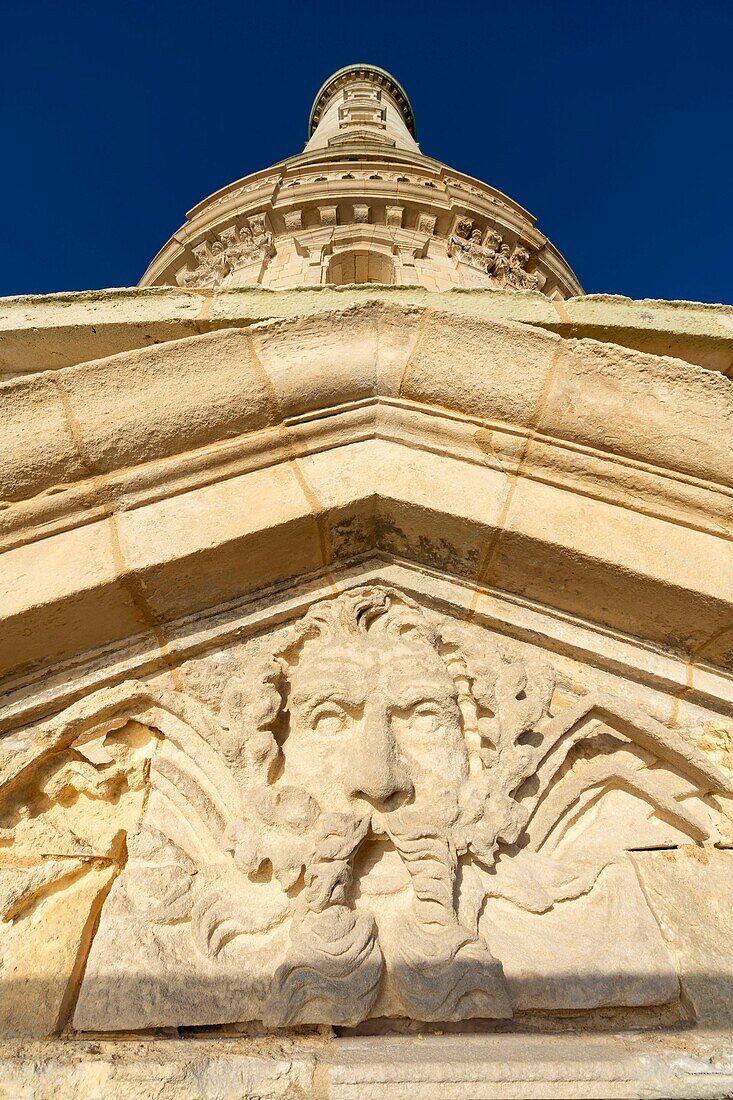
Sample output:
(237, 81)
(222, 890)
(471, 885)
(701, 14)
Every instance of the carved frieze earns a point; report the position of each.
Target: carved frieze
(231, 250)
(235, 248)
(376, 811)
(507, 269)
(518, 278)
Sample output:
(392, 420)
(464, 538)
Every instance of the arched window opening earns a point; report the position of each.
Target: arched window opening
(360, 266)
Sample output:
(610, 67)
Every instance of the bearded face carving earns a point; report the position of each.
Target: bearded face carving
(372, 815)
(372, 750)
(374, 723)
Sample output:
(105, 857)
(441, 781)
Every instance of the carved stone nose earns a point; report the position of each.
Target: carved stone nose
(377, 773)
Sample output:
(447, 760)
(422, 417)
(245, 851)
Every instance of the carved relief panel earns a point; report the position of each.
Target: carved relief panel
(377, 811)
(507, 268)
(232, 251)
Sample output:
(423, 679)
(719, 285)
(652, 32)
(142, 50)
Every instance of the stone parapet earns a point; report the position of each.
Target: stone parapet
(43, 332)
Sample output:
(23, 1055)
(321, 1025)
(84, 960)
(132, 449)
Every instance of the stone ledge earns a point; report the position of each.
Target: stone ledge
(661, 1064)
(45, 332)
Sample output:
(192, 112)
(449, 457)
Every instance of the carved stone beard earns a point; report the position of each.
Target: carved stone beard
(438, 969)
(375, 735)
(334, 965)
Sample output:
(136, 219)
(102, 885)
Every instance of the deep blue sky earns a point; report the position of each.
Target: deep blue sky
(610, 120)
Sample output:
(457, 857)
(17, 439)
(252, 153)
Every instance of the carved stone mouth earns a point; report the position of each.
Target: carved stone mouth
(380, 807)
(381, 870)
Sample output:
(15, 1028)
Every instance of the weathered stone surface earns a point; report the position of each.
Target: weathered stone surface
(190, 1070)
(43, 952)
(505, 1067)
(691, 894)
(549, 965)
(366, 656)
(46, 332)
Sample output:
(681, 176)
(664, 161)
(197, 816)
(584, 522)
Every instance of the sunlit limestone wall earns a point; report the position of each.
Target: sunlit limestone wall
(365, 655)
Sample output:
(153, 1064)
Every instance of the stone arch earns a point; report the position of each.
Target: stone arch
(360, 265)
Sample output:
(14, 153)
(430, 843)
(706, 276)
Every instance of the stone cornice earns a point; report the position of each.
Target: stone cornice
(374, 75)
(689, 502)
(47, 332)
(355, 433)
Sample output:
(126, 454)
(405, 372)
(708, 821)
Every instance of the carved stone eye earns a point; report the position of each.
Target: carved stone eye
(424, 718)
(329, 719)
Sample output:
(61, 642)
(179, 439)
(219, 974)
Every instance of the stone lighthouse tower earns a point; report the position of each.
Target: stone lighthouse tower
(361, 204)
(366, 655)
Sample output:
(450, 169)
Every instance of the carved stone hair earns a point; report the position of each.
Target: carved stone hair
(361, 612)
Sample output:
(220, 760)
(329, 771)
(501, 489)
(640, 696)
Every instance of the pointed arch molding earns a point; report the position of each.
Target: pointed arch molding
(374, 808)
(525, 469)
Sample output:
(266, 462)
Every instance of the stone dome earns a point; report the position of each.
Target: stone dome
(361, 204)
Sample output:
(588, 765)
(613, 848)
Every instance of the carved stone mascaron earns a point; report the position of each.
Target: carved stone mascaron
(377, 811)
(366, 656)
